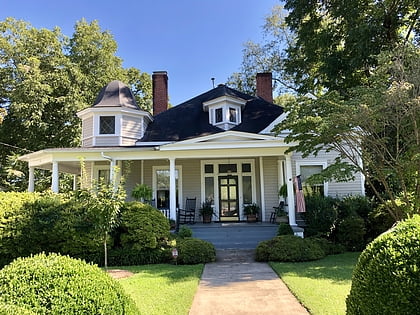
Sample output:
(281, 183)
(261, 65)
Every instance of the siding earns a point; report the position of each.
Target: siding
(132, 127)
(271, 185)
(87, 132)
(107, 141)
(87, 142)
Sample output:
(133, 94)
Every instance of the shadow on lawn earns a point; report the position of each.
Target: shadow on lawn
(172, 272)
(337, 268)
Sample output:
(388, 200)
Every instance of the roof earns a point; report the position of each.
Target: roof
(188, 120)
(114, 94)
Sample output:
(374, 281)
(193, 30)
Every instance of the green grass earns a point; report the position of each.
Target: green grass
(162, 289)
(322, 285)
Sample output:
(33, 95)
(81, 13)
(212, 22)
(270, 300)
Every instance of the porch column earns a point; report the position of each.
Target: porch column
(262, 189)
(290, 194)
(74, 182)
(112, 164)
(55, 181)
(172, 189)
(31, 183)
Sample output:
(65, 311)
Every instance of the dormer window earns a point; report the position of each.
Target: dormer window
(224, 112)
(107, 125)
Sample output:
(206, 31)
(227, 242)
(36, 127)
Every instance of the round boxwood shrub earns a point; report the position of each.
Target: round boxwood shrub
(195, 251)
(54, 284)
(288, 248)
(142, 227)
(386, 279)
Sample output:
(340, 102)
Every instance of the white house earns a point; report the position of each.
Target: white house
(217, 146)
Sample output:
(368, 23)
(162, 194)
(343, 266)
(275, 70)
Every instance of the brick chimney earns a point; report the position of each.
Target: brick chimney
(160, 91)
(264, 86)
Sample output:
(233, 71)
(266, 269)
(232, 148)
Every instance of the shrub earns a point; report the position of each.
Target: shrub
(142, 227)
(195, 251)
(386, 279)
(284, 229)
(10, 309)
(320, 216)
(130, 257)
(54, 284)
(328, 247)
(289, 248)
(351, 232)
(184, 232)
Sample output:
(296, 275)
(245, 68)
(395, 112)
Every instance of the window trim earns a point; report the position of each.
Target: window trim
(322, 163)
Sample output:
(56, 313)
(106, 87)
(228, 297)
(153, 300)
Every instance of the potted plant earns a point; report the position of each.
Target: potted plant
(142, 193)
(206, 211)
(251, 211)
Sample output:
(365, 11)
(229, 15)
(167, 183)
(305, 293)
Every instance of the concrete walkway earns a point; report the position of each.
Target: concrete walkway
(236, 284)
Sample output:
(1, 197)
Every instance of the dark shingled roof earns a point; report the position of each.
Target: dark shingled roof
(189, 120)
(114, 94)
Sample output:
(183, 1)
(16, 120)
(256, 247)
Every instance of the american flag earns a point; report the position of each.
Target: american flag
(300, 199)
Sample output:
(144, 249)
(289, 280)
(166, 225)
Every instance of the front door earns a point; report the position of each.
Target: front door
(229, 198)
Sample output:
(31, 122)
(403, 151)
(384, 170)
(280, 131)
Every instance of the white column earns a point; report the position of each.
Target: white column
(31, 183)
(262, 189)
(55, 181)
(142, 172)
(290, 193)
(74, 182)
(172, 189)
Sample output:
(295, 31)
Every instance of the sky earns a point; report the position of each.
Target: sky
(193, 40)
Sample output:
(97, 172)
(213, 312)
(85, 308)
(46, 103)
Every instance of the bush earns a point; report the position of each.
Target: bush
(54, 284)
(184, 232)
(289, 248)
(142, 227)
(195, 251)
(386, 279)
(130, 257)
(351, 232)
(320, 216)
(10, 309)
(328, 247)
(284, 229)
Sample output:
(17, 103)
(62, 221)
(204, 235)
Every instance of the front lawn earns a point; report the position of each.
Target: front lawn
(162, 289)
(321, 285)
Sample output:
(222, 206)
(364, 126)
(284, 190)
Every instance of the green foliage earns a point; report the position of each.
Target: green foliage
(320, 216)
(54, 284)
(284, 229)
(288, 248)
(206, 209)
(351, 233)
(10, 309)
(142, 193)
(184, 232)
(251, 209)
(46, 77)
(386, 279)
(143, 227)
(131, 257)
(195, 251)
(328, 246)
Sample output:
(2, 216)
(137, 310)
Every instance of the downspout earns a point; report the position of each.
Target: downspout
(112, 166)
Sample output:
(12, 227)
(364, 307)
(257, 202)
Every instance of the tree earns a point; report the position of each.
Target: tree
(375, 129)
(45, 78)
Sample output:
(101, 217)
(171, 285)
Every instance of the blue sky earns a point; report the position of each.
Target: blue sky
(194, 40)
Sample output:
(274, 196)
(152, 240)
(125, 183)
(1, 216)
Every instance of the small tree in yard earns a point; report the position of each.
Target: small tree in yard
(104, 200)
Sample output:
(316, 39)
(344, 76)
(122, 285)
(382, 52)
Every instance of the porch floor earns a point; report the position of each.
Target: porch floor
(234, 235)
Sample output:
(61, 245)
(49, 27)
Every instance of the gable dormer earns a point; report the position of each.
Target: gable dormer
(225, 111)
(114, 119)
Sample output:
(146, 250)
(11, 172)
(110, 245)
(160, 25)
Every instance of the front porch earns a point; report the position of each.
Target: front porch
(236, 235)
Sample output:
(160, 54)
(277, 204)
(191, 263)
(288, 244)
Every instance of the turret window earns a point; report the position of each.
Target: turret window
(107, 125)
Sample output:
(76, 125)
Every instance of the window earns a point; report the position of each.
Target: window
(107, 125)
(208, 168)
(103, 176)
(232, 115)
(219, 115)
(227, 168)
(305, 172)
(161, 186)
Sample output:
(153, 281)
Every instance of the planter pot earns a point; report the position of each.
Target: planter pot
(207, 218)
(282, 219)
(251, 218)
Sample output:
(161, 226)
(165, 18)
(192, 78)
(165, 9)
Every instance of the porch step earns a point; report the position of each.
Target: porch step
(234, 235)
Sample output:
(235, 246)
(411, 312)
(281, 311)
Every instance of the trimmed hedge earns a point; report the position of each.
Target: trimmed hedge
(195, 251)
(54, 284)
(289, 248)
(284, 229)
(386, 279)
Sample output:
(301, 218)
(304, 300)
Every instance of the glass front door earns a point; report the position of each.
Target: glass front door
(229, 198)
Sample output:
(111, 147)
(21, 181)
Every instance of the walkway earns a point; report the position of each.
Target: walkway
(236, 284)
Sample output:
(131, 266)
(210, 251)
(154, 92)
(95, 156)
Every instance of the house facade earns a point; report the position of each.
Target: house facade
(217, 147)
